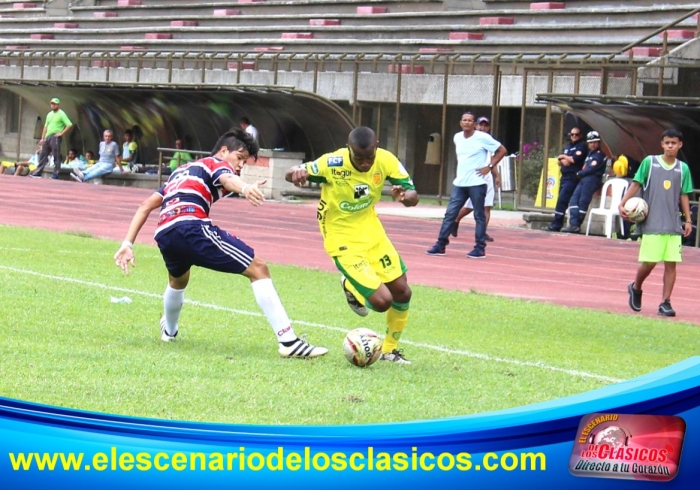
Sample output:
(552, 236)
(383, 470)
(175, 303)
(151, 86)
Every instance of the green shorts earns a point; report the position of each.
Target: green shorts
(660, 248)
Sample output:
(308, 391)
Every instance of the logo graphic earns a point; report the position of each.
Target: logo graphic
(354, 207)
(667, 184)
(361, 190)
(343, 174)
(376, 178)
(314, 168)
(335, 161)
(628, 447)
(551, 182)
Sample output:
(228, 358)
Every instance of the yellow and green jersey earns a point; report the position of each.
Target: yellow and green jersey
(346, 212)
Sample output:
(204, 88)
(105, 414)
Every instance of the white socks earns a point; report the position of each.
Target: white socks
(172, 306)
(270, 303)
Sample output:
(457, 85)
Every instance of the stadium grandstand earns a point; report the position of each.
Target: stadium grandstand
(306, 71)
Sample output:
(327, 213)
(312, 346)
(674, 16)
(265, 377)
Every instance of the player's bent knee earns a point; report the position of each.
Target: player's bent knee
(257, 270)
(403, 296)
(381, 300)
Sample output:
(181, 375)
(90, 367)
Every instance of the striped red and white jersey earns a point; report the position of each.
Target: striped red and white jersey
(191, 190)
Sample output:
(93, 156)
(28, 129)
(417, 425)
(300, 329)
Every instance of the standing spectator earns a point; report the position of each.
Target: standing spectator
(129, 152)
(109, 157)
(249, 128)
(374, 276)
(179, 157)
(56, 126)
(472, 148)
(590, 179)
(666, 182)
(493, 182)
(186, 237)
(571, 161)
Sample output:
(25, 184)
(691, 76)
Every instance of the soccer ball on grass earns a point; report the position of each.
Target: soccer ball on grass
(362, 347)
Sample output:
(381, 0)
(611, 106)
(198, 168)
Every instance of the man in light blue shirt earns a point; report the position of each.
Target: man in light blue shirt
(472, 148)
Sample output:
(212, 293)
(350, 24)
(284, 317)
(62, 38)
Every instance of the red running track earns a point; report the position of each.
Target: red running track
(570, 270)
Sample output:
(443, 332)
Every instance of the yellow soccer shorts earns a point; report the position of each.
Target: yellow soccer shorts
(367, 270)
(660, 248)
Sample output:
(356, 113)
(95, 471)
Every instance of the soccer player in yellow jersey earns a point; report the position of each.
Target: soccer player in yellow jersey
(374, 276)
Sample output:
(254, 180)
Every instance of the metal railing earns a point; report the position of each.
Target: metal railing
(170, 152)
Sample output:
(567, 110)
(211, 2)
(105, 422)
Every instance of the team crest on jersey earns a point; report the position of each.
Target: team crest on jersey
(361, 190)
(376, 178)
(335, 161)
(667, 184)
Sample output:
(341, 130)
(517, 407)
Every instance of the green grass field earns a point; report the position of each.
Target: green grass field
(62, 342)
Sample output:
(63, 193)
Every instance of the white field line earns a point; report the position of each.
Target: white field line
(466, 353)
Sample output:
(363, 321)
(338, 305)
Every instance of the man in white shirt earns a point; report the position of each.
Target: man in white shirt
(249, 128)
(493, 182)
(472, 148)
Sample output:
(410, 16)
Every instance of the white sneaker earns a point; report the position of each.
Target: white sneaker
(79, 173)
(354, 305)
(75, 177)
(302, 349)
(164, 334)
(395, 356)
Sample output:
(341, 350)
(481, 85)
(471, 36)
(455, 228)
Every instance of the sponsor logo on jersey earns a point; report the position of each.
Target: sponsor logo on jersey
(335, 161)
(314, 167)
(340, 182)
(343, 174)
(361, 190)
(376, 178)
(353, 207)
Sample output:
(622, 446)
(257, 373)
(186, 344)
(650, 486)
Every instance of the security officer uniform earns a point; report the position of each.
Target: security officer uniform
(568, 182)
(590, 179)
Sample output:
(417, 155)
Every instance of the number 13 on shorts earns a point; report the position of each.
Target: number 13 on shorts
(380, 264)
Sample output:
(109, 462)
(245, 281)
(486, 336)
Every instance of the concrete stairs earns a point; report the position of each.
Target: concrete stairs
(501, 26)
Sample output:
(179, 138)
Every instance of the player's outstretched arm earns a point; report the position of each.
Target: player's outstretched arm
(125, 254)
(297, 175)
(407, 197)
(252, 192)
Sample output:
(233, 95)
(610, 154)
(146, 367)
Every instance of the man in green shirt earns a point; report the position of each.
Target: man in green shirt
(180, 157)
(57, 124)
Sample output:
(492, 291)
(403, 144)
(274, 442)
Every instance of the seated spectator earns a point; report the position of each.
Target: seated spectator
(73, 160)
(129, 153)
(109, 157)
(180, 157)
(90, 157)
(22, 169)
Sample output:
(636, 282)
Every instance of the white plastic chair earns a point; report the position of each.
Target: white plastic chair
(618, 187)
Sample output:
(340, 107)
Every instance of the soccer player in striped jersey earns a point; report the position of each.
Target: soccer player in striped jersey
(374, 276)
(187, 237)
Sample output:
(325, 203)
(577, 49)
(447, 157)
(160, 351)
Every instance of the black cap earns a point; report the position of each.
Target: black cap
(483, 119)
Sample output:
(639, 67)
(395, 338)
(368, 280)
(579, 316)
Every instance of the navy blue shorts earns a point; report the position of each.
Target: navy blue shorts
(204, 245)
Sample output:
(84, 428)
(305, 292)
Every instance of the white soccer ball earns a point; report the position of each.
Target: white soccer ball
(362, 347)
(637, 209)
